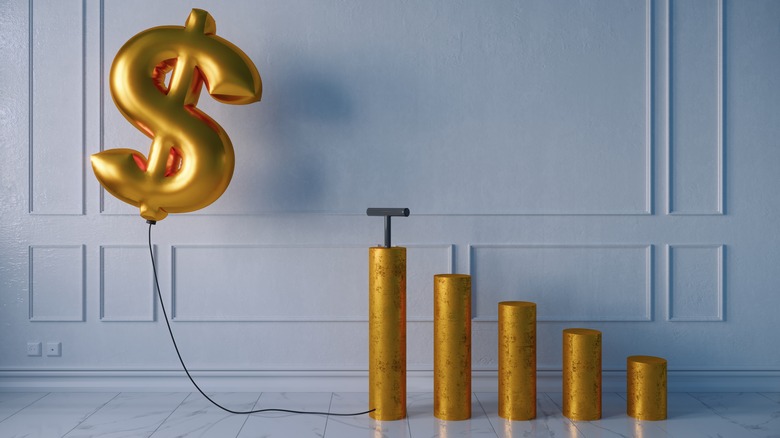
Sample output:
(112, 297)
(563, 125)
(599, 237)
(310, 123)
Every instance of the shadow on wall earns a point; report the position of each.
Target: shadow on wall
(327, 134)
(298, 115)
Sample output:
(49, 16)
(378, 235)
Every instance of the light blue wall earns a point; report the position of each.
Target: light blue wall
(613, 161)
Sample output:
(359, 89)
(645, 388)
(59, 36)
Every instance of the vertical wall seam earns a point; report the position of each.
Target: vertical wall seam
(721, 95)
(668, 92)
(649, 106)
(30, 205)
(102, 91)
(720, 122)
(83, 106)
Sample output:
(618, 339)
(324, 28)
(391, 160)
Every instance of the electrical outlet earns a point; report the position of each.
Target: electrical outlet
(33, 348)
(54, 349)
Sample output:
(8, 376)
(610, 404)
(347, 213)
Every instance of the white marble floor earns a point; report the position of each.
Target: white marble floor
(156, 415)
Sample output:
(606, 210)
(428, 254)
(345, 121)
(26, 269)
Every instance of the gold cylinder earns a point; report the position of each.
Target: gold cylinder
(452, 346)
(582, 374)
(517, 360)
(646, 387)
(387, 333)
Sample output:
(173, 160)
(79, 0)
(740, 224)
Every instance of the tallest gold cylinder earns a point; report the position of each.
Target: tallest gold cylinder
(387, 333)
(452, 346)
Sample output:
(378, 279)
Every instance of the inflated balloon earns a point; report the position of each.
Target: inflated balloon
(191, 159)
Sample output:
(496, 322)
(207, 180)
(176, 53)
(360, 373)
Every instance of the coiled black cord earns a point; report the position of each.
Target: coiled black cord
(173, 339)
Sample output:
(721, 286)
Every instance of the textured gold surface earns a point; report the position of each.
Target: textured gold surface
(452, 346)
(582, 374)
(646, 387)
(517, 360)
(191, 159)
(387, 333)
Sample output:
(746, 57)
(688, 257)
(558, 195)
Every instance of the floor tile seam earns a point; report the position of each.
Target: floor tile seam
(170, 413)
(327, 417)
(756, 426)
(546, 418)
(91, 414)
(246, 417)
(564, 417)
(406, 419)
(25, 406)
(714, 411)
(763, 394)
(605, 429)
(484, 411)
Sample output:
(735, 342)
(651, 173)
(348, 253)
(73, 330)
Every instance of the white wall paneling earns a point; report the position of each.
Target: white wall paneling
(567, 282)
(293, 283)
(695, 98)
(126, 283)
(56, 284)
(56, 70)
(696, 276)
(533, 141)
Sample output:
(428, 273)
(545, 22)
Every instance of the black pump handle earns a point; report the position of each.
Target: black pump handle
(388, 213)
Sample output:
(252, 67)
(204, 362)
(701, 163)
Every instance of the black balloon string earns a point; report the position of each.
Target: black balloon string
(178, 353)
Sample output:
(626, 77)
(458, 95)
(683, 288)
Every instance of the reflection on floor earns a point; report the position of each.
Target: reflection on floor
(130, 414)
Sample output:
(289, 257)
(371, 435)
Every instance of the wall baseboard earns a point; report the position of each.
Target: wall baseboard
(344, 381)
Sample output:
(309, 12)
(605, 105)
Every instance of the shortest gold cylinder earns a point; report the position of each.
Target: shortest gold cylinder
(582, 374)
(646, 387)
(517, 360)
(452, 346)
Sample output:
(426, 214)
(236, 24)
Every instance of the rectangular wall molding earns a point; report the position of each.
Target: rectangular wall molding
(293, 283)
(57, 285)
(568, 282)
(57, 107)
(695, 94)
(126, 284)
(695, 275)
(351, 381)
(558, 155)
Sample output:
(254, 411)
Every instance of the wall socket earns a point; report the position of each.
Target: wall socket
(33, 348)
(54, 348)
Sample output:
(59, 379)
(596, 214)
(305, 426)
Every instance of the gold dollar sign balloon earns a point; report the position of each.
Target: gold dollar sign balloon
(191, 159)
